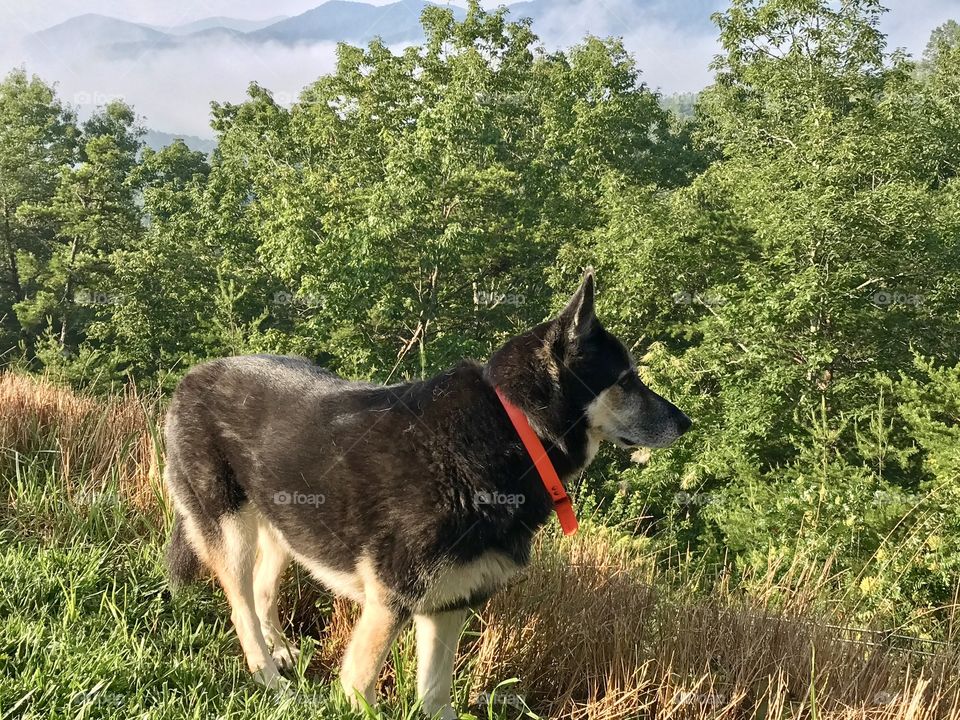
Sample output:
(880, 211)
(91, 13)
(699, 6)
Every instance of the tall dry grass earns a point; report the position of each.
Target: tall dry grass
(592, 629)
(84, 442)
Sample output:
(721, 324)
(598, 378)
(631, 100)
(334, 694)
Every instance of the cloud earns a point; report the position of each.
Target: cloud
(172, 89)
(673, 46)
(671, 61)
(19, 17)
(910, 22)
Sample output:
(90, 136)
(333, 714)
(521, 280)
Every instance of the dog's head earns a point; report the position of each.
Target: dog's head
(620, 408)
(570, 370)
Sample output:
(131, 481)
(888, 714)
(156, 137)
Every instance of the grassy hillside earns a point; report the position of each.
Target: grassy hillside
(598, 627)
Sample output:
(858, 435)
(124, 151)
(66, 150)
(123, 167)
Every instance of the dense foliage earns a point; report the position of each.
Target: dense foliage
(786, 262)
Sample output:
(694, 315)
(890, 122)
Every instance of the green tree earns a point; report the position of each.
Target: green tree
(37, 138)
(943, 39)
(816, 254)
(411, 206)
(165, 276)
(94, 212)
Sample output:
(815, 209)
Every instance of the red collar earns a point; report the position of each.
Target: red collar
(551, 481)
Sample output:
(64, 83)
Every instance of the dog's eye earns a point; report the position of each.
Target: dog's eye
(627, 380)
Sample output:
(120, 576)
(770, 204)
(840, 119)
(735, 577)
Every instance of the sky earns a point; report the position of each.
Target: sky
(172, 90)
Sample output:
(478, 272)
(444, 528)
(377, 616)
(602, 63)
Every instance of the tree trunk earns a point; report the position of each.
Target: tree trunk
(11, 255)
(67, 295)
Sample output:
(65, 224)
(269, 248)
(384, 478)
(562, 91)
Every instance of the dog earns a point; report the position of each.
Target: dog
(417, 500)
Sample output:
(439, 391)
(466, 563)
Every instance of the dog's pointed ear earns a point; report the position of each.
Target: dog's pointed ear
(579, 317)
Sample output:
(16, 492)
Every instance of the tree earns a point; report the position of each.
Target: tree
(166, 276)
(37, 138)
(412, 205)
(943, 39)
(816, 254)
(94, 213)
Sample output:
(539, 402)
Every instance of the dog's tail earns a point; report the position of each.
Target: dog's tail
(183, 564)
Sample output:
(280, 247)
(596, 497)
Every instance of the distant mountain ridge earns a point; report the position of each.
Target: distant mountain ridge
(93, 30)
(157, 140)
(335, 21)
(227, 23)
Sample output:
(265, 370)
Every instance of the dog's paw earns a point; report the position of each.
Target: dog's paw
(273, 681)
(443, 712)
(286, 656)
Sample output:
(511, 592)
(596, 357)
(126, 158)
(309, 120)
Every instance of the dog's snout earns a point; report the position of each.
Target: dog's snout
(683, 422)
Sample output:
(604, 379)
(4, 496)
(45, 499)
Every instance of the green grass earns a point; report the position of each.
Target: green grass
(88, 628)
(601, 625)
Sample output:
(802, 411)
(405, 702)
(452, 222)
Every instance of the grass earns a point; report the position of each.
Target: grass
(598, 627)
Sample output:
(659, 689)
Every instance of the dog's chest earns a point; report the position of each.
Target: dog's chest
(351, 585)
(468, 582)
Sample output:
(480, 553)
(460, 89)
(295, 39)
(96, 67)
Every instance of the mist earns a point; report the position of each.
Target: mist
(172, 88)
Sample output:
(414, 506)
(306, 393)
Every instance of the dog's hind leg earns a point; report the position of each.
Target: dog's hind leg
(233, 559)
(369, 644)
(437, 638)
(219, 522)
(272, 560)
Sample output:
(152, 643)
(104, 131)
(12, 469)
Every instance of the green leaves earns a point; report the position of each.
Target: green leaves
(787, 283)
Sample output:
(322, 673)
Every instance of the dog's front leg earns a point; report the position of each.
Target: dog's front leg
(369, 644)
(437, 638)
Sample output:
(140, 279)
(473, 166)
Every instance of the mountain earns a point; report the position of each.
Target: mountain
(201, 38)
(91, 31)
(338, 20)
(156, 140)
(359, 22)
(228, 23)
(170, 74)
(333, 21)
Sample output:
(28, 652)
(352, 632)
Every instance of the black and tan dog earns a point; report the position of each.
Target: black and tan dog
(417, 500)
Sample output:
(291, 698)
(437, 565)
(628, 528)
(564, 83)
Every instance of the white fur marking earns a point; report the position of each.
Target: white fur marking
(347, 584)
(458, 582)
(437, 638)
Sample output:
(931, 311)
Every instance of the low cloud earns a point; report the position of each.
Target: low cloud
(673, 45)
(172, 89)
